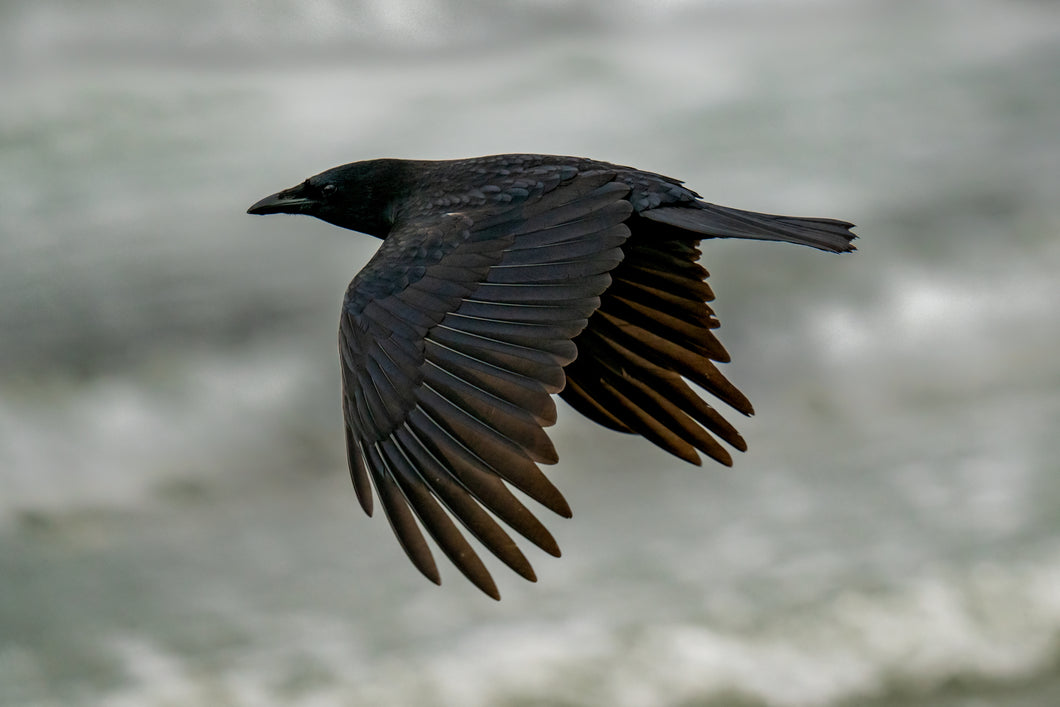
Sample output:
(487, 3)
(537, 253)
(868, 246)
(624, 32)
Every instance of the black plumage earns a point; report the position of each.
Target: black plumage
(504, 280)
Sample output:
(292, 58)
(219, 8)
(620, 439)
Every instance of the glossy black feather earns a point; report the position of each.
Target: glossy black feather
(501, 281)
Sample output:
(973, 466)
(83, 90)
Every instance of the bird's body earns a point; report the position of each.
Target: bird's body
(501, 281)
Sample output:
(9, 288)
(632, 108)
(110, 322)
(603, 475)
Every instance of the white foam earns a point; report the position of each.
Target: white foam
(990, 624)
(111, 442)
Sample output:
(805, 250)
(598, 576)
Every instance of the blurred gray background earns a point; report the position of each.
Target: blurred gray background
(176, 521)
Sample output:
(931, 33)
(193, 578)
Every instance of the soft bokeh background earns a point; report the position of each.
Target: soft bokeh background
(176, 523)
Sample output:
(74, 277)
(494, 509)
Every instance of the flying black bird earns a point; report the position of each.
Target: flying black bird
(500, 281)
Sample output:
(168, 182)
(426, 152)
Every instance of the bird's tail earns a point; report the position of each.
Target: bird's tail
(715, 221)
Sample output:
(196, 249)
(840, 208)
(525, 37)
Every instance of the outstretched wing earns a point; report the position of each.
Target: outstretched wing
(652, 333)
(452, 340)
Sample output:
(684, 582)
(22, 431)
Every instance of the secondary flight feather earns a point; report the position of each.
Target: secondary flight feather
(501, 281)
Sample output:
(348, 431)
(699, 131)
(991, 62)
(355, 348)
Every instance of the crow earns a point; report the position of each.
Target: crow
(501, 281)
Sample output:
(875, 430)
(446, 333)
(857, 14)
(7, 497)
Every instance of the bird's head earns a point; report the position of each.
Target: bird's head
(358, 196)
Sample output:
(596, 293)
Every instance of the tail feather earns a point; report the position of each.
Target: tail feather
(715, 221)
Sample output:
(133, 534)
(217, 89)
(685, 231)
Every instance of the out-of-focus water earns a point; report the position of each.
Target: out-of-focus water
(176, 523)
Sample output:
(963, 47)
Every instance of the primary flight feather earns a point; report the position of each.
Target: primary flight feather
(501, 281)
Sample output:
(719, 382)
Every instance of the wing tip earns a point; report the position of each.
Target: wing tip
(358, 472)
(489, 589)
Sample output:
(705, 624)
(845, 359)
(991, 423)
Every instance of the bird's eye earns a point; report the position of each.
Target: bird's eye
(328, 189)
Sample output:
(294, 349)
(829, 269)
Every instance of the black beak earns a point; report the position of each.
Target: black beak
(288, 201)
